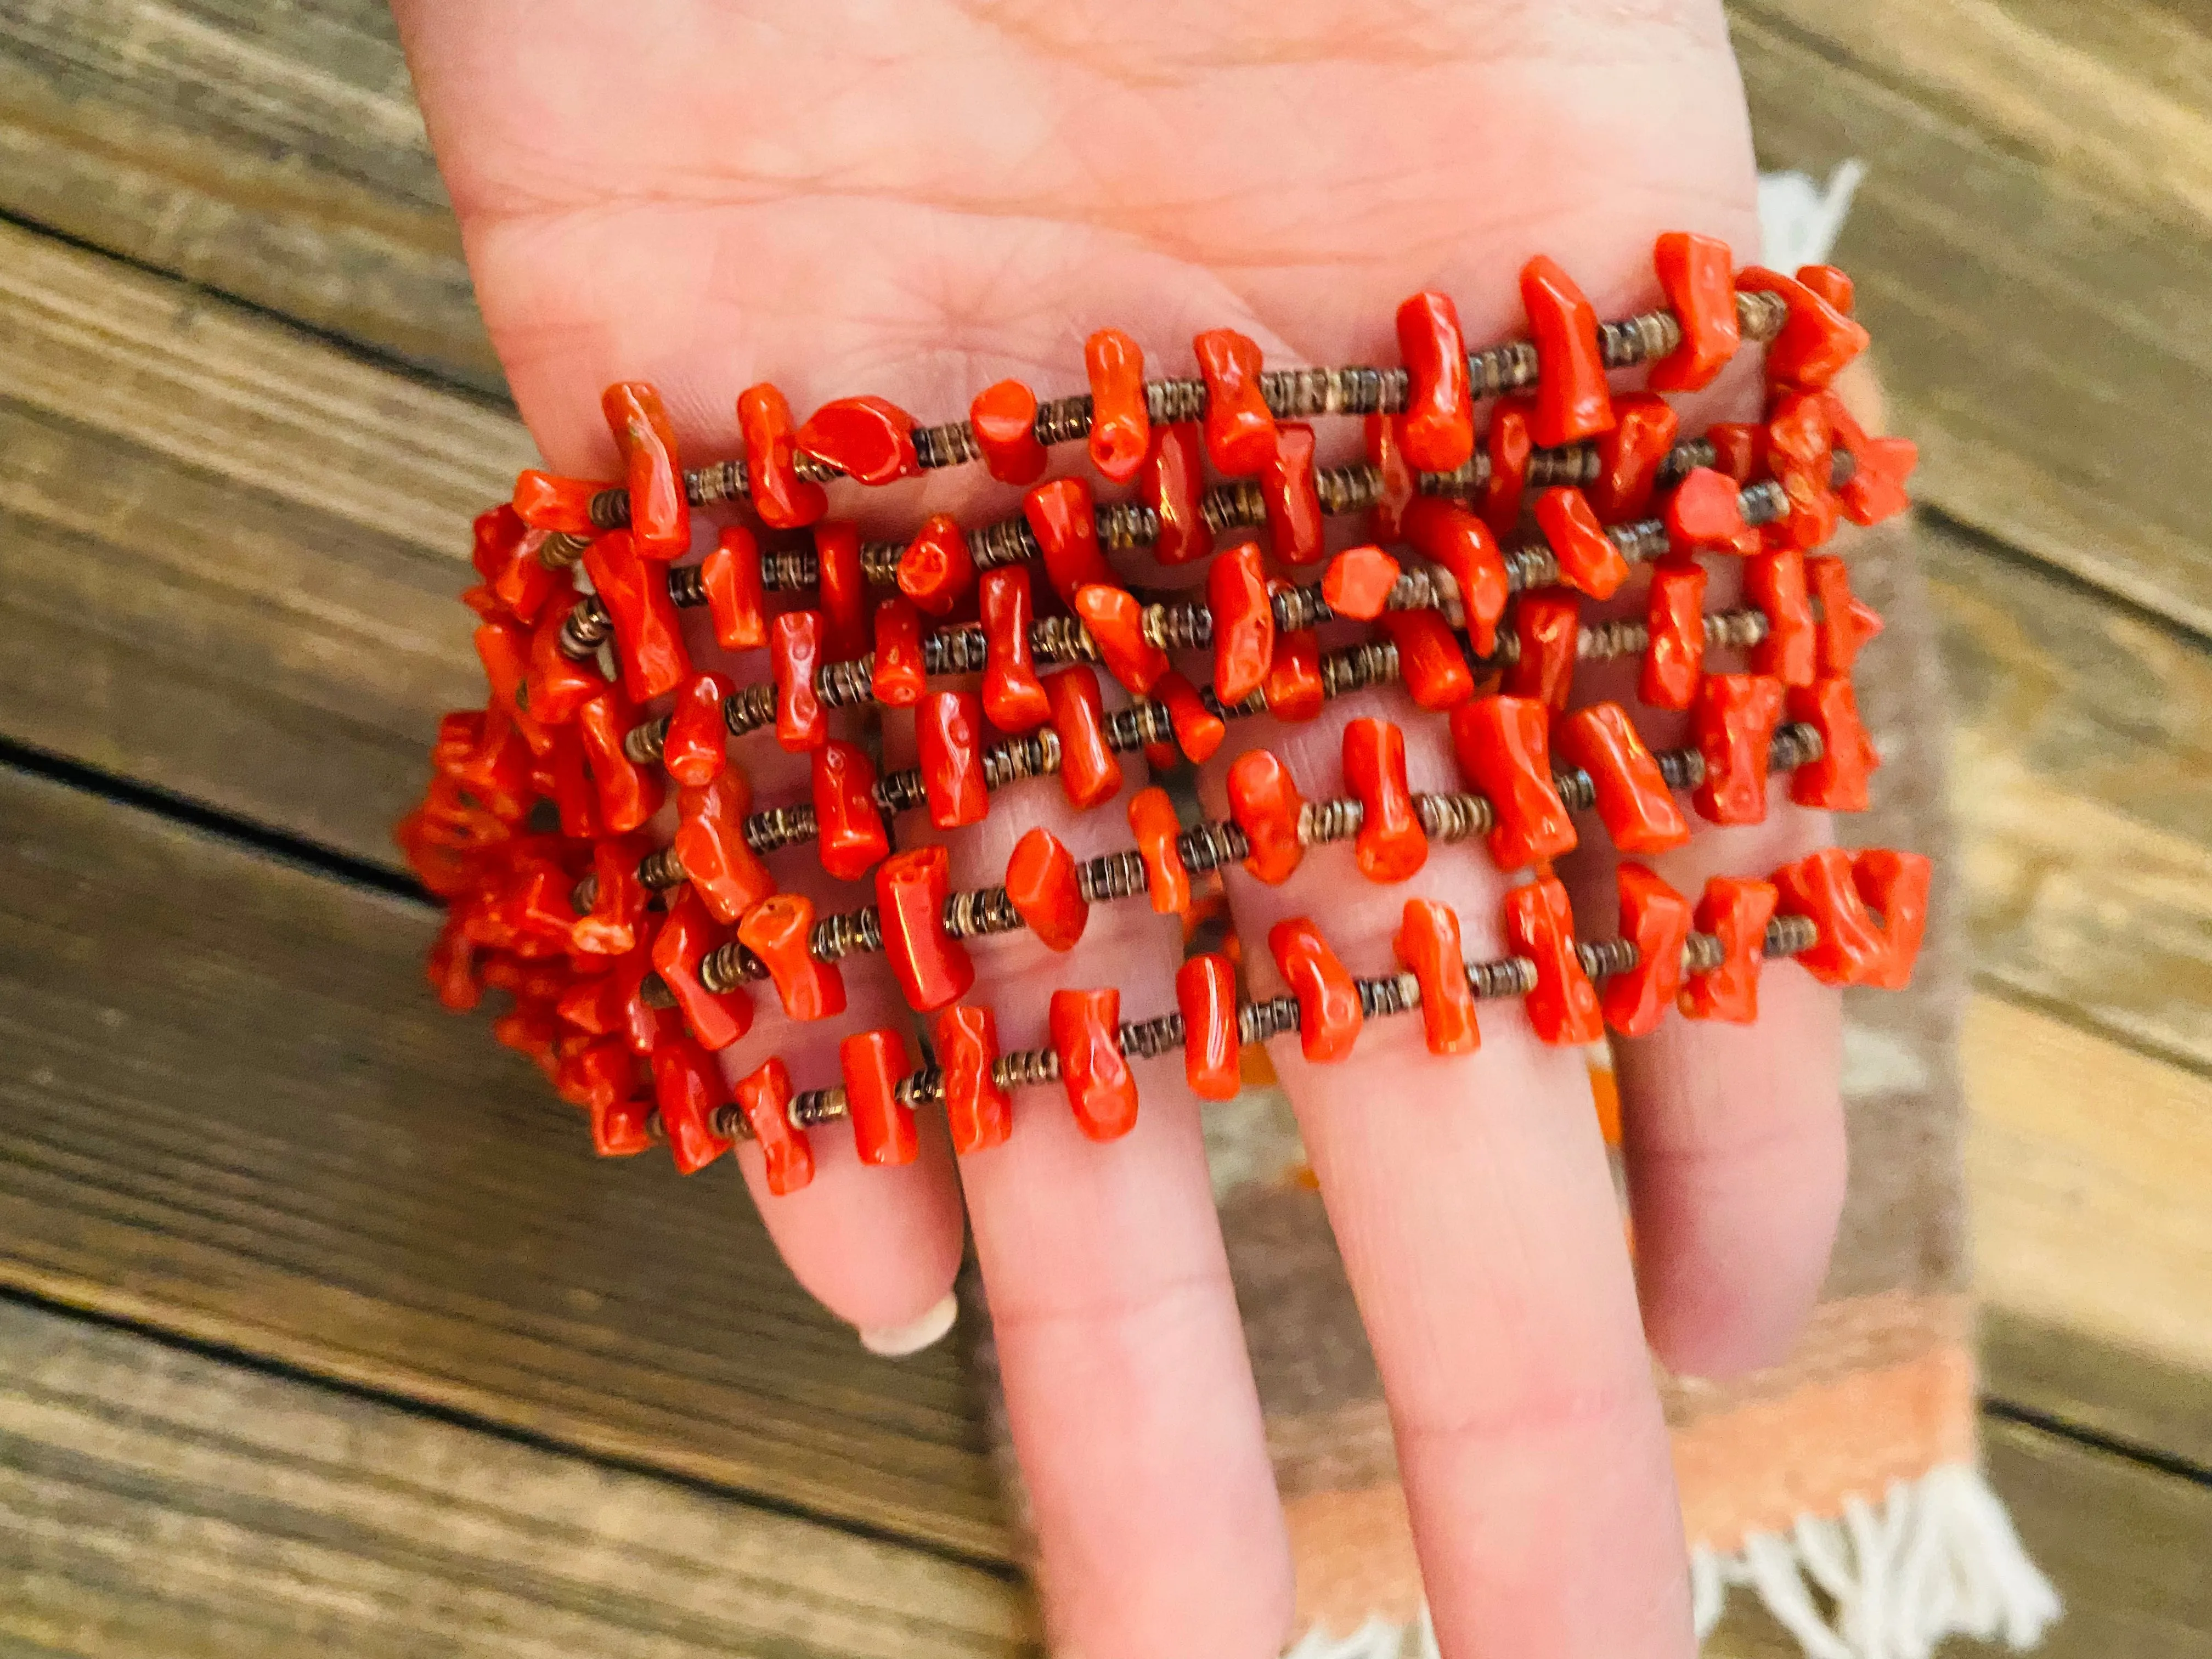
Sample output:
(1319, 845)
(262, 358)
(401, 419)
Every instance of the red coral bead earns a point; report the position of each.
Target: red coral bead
(1847, 621)
(1240, 429)
(1510, 443)
(1704, 512)
(544, 501)
(687, 935)
(1153, 820)
(1698, 275)
(1815, 342)
(1639, 810)
(1830, 283)
(504, 647)
(936, 570)
(1540, 925)
(1587, 558)
(1427, 946)
(1548, 627)
(687, 1086)
(867, 438)
(622, 1130)
(1013, 696)
(1629, 456)
(649, 638)
(1172, 483)
(898, 677)
(1451, 535)
(737, 599)
(1121, 426)
(1895, 885)
(1429, 662)
(1199, 731)
(1876, 490)
(1003, 420)
(1775, 582)
(932, 968)
(519, 579)
(842, 585)
(1438, 426)
(872, 1064)
(1675, 621)
(557, 684)
(660, 512)
(710, 839)
(1290, 497)
(849, 831)
(1391, 845)
(1799, 449)
(1116, 621)
(1735, 912)
(1838, 781)
(794, 653)
(1293, 687)
(598, 1075)
(571, 788)
(1243, 622)
(1386, 454)
(628, 792)
(1357, 582)
(1739, 448)
(1089, 773)
(1265, 804)
(697, 745)
(764, 1098)
(1572, 402)
(1655, 920)
(1042, 885)
(1732, 725)
(1329, 1015)
(777, 931)
(1085, 1028)
(949, 736)
(976, 1109)
(1848, 946)
(1206, 996)
(1063, 516)
(783, 499)
(1503, 748)
(618, 899)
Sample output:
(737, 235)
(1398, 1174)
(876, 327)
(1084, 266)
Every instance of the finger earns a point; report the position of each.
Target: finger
(1471, 1198)
(1128, 1391)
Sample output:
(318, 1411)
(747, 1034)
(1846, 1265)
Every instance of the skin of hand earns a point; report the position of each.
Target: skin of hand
(915, 200)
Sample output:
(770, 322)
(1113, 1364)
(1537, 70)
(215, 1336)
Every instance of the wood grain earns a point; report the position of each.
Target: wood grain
(229, 1108)
(157, 1501)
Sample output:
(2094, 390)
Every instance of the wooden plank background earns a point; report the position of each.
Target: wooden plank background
(247, 412)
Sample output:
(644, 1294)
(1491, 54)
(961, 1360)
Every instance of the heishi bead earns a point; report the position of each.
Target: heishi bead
(1509, 442)
(794, 652)
(1704, 514)
(1734, 911)
(622, 1130)
(869, 439)
(1815, 342)
(697, 747)
(687, 934)
(976, 1109)
(1427, 946)
(1062, 515)
(1357, 582)
(777, 930)
(1572, 402)
(1172, 483)
(1697, 275)
(949, 739)
(1895, 885)
(1013, 696)
(1588, 559)
(710, 839)
(1329, 1015)
(1675, 619)
(1085, 1027)
(1540, 925)
(1847, 946)
(649, 638)
(1639, 810)
(1838, 781)
(660, 512)
(1003, 420)
(1847, 621)
(764, 1099)
(1391, 845)
(543, 501)
(1042, 886)
(1431, 664)
(1089, 772)
(932, 968)
(1655, 920)
(1293, 686)
(1206, 995)
(783, 499)
(1385, 453)
(1628, 457)
(1265, 804)
(1116, 621)
(873, 1063)
(936, 570)
(1504, 747)
(1291, 501)
(1454, 536)
(849, 832)
(557, 685)
(736, 599)
(628, 793)
(618, 899)
(687, 1086)
(1153, 820)
(1548, 626)
(1732, 723)
(1243, 622)
(841, 586)
(1240, 431)
(1120, 427)
(1199, 731)
(1438, 424)
(1775, 582)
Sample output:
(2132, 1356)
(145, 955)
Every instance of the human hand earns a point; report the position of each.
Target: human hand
(917, 201)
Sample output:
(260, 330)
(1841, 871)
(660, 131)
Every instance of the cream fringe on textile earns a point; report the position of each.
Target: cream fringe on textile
(1938, 1558)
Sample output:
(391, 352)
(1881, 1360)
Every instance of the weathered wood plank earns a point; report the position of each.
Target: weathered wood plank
(229, 1110)
(154, 1501)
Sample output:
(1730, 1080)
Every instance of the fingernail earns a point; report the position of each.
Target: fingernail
(896, 1341)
